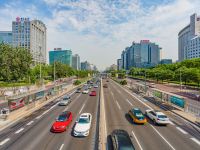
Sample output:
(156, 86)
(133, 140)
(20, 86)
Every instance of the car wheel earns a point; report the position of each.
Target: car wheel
(154, 121)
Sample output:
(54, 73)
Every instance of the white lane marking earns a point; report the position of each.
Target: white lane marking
(181, 130)
(163, 137)
(129, 102)
(118, 105)
(82, 108)
(171, 123)
(61, 147)
(195, 140)
(20, 130)
(4, 141)
(137, 140)
(66, 109)
(135, 97)
(38, 117)
(28, 124)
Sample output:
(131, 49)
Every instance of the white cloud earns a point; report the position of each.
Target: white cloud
(99, 30)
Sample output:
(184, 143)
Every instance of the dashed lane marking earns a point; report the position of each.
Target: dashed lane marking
(28, 124)
(118, 105)
(181, 130)
(61, 147)
(20, 130)
(4, 141)
(82, 108)
(129, 102)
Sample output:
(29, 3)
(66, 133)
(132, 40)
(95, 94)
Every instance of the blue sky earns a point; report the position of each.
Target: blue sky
(98, 30)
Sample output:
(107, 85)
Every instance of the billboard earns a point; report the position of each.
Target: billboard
(177, 101)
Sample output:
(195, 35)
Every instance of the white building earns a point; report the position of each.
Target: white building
(187, 34)
(76, 62)
(32, 36)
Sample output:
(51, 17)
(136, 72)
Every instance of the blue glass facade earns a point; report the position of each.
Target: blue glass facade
(143, 54)
(62, 56)
(6, 37)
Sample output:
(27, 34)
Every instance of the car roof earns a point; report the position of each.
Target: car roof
(122, 138)
(159, 113)
(84, 115)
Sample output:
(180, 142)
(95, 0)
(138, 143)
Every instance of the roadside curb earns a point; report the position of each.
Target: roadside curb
(38, 107)
(198, 125)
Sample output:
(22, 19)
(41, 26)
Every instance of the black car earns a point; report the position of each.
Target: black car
(78, 90)
(121, 140)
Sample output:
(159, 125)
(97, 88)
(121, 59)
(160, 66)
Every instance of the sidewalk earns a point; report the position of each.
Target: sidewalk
(27, 110)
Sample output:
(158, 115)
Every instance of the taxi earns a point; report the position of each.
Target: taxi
(137, 116)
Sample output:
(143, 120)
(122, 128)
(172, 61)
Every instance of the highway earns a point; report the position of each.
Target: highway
(33, 132)
(145, 137)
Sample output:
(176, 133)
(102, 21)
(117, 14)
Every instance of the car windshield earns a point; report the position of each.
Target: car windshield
(62, 118)
(83, 120)
(162, 116)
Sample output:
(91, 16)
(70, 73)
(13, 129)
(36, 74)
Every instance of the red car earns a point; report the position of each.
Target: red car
(61, 123)
(93, 93)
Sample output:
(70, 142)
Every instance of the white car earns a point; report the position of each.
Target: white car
(82, 127)
(86, 91)
(96, 86)
(65, 101)
(157, 117)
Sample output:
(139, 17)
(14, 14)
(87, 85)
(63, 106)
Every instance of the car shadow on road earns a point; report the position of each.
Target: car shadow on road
(128, 118)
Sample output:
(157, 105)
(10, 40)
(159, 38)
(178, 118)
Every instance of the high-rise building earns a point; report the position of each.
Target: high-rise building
(32, 36)
(6, 37)
(166, 61)
(186, 37)
(192, 49)
(119, 64)
(76, 62)
(85, 65)
(143, 54)
(62, 56)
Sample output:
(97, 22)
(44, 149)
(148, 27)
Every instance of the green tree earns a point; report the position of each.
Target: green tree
(14, 63)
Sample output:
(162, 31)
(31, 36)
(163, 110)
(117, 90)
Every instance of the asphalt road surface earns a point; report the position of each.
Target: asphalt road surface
(33, 132)
(149, 136)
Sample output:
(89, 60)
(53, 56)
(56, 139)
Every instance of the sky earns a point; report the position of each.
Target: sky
(98, 30)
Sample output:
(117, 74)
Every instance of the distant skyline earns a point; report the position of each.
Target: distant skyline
(98, 30)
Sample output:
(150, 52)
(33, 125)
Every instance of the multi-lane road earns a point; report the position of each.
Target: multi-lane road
(118, 101)
(33, 132)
